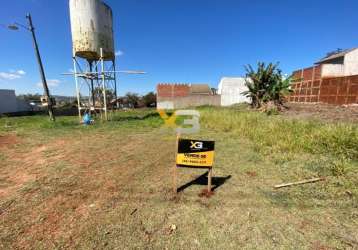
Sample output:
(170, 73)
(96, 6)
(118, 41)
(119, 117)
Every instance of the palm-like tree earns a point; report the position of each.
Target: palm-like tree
(266, 84)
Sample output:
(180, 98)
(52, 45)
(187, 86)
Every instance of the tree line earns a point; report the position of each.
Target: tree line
(129, 100)
(134, 100)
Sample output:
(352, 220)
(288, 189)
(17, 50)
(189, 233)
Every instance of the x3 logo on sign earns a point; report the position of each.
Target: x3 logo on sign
(196, 145)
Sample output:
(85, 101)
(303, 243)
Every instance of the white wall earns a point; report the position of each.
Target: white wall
(165, 105)
(332, 70)
(230, 89)
(351, 63)
(10, 104)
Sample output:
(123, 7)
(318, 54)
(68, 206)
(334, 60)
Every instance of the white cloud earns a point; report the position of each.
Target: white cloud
(21, 72)
(53, 82)
(12, 74)
(119, 53)
(9, 76)
(50, 83)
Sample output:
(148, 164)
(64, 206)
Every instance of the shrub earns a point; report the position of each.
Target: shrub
(266, 84)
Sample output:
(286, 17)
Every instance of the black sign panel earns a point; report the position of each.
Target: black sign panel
(195, 153)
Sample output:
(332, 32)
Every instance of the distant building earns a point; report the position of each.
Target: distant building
(174, 96)
(342, 63)
(9, 103)
(230, 89)
(200, 89)
(333, 80)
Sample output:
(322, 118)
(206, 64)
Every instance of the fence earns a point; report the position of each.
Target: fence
(188, 101)
(310, 87)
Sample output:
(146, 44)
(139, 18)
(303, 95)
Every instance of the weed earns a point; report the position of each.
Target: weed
(280, 135)
(339, 166)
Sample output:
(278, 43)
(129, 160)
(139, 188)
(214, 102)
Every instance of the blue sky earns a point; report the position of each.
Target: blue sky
(178, 40)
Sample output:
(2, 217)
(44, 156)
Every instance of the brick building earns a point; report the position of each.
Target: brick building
(173, 96)
(333, 80)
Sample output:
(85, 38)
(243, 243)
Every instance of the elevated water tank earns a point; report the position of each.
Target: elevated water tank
(92, 29)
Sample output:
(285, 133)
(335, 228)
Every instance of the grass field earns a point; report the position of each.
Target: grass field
(106, 186)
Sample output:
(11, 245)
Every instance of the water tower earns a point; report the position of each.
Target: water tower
(93, 56)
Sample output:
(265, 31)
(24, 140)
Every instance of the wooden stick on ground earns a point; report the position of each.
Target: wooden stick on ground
(210, 174)
(299, 182)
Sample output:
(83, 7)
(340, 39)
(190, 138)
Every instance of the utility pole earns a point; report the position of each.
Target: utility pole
(42, 72)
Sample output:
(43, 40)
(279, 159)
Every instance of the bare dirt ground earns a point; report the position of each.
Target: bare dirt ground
(49, 192)
(8, 140)
(322, 112)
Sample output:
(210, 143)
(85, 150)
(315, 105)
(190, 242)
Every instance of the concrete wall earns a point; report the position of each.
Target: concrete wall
(230, 89)
(178, 96)
(163, 104)
(188, 101)
(10, 104)
(351, 63)
(332, 70)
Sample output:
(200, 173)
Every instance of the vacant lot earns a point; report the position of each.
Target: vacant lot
(323, 112)
(109, 185)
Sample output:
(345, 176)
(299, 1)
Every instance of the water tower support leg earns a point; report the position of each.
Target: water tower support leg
(104, 87)
(92, 87)
(115, 83)
(77, 88)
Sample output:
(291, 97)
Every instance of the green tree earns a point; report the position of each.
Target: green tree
(150, 99)
(132, 99)
(266, 84)
(98, 93)
(31, 97)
